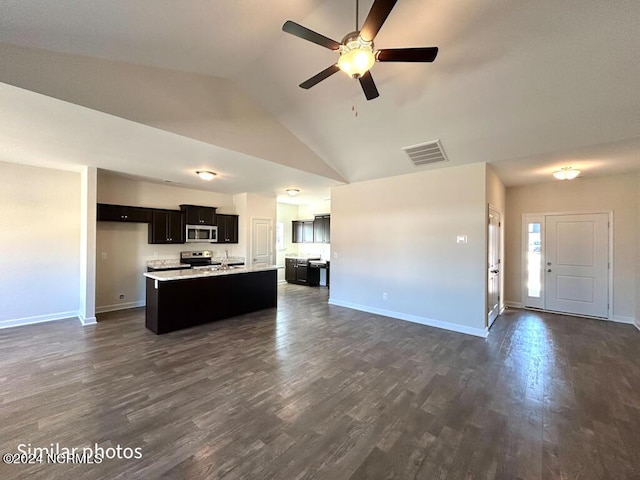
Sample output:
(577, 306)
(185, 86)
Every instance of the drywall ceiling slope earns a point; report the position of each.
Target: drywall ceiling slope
(202, 107)
(512, 81)
(40, 130)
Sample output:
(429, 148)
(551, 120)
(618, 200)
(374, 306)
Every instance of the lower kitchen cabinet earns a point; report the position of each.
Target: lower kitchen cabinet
(227, 228)
(296, 271)
(167, 226)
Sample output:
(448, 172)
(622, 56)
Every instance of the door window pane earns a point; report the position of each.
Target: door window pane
(534, 260)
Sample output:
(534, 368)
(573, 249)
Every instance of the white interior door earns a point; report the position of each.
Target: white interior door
(576, 264)
(493, 284)
(261, 241)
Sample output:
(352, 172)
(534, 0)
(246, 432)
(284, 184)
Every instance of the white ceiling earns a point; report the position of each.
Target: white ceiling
(525, 86)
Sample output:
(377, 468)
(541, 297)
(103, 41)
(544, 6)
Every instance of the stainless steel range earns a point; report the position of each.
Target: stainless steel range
(196, 259)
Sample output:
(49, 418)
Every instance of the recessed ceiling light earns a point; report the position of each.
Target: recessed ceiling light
(293, 192)
(206, 174)
(566, 173)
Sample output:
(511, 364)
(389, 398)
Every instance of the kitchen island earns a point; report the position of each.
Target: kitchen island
(184, 298)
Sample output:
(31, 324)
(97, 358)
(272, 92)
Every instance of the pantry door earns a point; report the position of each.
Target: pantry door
(576, 264)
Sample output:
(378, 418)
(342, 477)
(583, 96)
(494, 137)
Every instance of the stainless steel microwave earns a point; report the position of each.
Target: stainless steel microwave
(202, 234)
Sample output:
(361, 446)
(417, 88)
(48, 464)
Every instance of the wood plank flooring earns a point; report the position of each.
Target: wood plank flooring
(318, 391)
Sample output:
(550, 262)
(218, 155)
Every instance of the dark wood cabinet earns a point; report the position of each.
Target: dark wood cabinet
(322, 229)
(122, 213)
(167, 226)
(290, 270)
(302, 231)
(227, 228)
(199, 215)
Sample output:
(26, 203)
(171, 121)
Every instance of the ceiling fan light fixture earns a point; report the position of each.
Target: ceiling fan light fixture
(356, 57)
(206, 175)
(292, 192)
(566, 173)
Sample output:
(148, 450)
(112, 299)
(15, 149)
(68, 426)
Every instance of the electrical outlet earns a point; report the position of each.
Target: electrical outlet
(121, 296)
(155, 254)
(385, 296)
(335, 254)
(103, 255)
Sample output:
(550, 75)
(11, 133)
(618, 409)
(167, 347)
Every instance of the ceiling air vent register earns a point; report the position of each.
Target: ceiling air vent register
(426, 153)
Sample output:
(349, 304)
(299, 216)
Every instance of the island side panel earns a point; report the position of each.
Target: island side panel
(189, 302)
(151, 308)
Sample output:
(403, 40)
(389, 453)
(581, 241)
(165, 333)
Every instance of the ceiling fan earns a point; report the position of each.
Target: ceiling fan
(357, 54)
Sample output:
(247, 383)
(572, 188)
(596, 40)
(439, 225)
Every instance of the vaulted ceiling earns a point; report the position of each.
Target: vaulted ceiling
(158, 89)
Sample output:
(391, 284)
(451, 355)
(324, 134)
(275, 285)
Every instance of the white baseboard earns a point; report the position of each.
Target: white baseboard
(513, 304)
(477, 332)
(16, 322)
(637, 325)
(621, 319)
(120, 306)
(87, 320)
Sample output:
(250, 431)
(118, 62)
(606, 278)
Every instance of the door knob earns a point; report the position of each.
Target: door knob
(548, 270)
(549, 263)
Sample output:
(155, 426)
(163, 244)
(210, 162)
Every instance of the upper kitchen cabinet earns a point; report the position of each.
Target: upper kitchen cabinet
(302, 231)
(322, 229)
(121, 213)
(167, 226)
(227, 228)
(199, 215)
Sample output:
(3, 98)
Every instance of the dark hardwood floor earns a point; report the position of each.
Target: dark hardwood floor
(317, 391)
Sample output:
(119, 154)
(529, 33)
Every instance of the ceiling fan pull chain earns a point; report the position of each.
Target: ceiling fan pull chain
(354, 106)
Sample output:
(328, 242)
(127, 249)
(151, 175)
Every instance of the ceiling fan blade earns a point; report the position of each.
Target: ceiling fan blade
(369, 86)
(326, 73)
(303, 32)
(377, 15)
(426, 54)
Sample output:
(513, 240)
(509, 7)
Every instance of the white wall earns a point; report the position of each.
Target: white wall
(617, 193)
(122, 249)
(398, 235)
(40, 244)
(249, 206)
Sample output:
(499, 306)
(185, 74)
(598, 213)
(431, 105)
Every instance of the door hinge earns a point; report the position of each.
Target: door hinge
(499, 224)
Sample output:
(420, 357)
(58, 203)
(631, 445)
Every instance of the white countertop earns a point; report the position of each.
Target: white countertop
(166, 263)
(201, 273)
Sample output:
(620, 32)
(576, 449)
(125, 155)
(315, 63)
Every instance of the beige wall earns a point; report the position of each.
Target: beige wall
(618, 194)
(398, 235)
(122, 249)
(40, 244)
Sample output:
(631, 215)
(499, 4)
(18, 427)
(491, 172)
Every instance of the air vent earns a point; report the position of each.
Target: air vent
(426, 153)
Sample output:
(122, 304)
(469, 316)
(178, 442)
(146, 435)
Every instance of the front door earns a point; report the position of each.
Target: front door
(261, 241)
(493, 285)
(576, 262)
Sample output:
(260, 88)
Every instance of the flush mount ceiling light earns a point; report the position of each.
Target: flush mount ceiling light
(206, 174)
(293, 192)
(566, 173)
